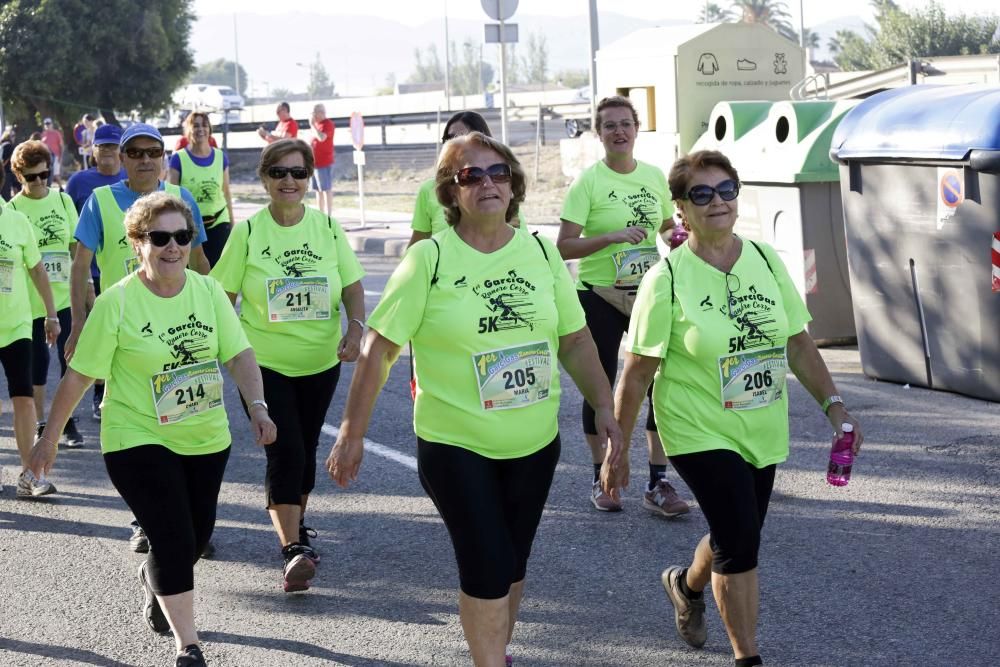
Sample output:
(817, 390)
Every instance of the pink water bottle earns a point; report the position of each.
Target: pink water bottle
(841, 458)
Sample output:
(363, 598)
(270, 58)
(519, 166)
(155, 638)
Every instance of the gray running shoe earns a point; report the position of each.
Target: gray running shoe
(689, 615)
(29, 486)
(663, 499)
(151, 611)
(138, 542)
(300, 567)
(602, 501)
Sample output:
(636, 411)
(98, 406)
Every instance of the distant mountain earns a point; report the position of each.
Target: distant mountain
(360, 51)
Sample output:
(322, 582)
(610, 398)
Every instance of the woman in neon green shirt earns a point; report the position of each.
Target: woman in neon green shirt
(164, 431)
(19, 261)
(53, 216)
(720, 323)
(204, 171)
(491, 312)
(295, 269)
(610, 221)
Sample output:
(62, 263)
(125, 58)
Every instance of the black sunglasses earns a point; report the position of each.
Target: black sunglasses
(160, 239)
(278, 173)
(700, 195)
(28, 178)
(498, 173)
(153, 153)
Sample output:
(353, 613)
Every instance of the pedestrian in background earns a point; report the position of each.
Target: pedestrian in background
(53, 139)
(286, 128)
(323, 155)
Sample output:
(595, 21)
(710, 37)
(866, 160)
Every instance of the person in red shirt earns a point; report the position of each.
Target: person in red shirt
(52, 138)
(323, 155)
(183, 143)
(287, 128)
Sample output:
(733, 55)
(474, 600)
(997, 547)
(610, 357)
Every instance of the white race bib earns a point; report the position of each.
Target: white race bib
(6, 276)
(753, 379)
(56, 263)
(186, 391)
(631, 265)
(513, 377)
(295, 299)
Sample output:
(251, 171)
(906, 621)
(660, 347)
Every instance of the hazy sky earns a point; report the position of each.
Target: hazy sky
(414, 12)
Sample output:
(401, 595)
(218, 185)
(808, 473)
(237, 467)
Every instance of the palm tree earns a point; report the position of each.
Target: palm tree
(772, 13)
(713, 13)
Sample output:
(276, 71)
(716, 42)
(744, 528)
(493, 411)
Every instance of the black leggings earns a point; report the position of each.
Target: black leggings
(16, 361)
(217, 237)
(173, 497)
(40, 348)
(491, 508)
(607, 325)
(297, 406)
(733, 496)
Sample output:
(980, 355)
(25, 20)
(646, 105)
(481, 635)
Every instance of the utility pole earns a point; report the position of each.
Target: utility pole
(447, 60)
(594, 46)
(503, 79)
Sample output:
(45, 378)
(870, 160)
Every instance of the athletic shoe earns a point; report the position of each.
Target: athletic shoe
(191, 656)
(39, 427)
(139, 543)
(602, 501)
(508, 660)
(29, 486)
(73, 438)
(151, 611)
(97, 403)
(300, 567)
(209, 550)
(663, 499)
(305, 533)
(689, 615)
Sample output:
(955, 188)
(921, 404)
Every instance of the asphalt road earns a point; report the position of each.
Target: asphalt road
(898, 568)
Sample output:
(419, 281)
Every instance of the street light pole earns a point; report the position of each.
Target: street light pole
(594, 46)
(447, 60)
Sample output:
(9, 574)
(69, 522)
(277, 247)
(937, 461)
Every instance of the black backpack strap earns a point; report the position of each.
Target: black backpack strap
(761, 252)
(434, 276)
(541, 245)
(670, 268)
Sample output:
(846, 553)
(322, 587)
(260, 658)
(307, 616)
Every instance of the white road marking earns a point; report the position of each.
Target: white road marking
(379, 450)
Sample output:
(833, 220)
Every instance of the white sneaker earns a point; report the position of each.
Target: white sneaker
(28, 486)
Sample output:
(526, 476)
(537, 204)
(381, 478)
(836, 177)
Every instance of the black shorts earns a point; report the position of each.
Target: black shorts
(16, 361)
(491, 508)
(733, 496)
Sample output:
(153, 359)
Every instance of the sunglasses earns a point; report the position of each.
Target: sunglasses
(498, 173)
(30, 178)
(160, 239)
(731, 293)
(298, 173)
(701, 195)
(152, 153)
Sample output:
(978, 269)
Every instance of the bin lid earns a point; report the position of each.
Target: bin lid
(921, 122)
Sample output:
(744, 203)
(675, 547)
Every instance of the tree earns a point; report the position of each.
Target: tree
(536, 60)
(51, 65)
(281, 94)
(772, 13)
(713, 13)
(428, 66)
(811, 39)
(320, 86)
(900, 36)
(469, 74)
(220, 72)
(573, 78)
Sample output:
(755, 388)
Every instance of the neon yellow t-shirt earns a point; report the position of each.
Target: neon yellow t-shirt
(54, 220)
(485, 340)
(160, 357)
(601, 201)
(291, 279)
(18, 254)
(703, 350)
(428, 214)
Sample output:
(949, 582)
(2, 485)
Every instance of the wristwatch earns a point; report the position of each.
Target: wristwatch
(259, 401)
(830, 400)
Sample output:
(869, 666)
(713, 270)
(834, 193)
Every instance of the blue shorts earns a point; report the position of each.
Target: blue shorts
(322, 178)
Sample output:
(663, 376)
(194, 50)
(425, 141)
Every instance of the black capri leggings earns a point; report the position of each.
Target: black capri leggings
(733, 496)
(607, 325)
(40, 349)
(297, 406)
(217, 237)
(16, 361)
(491, 508)
(173, 497)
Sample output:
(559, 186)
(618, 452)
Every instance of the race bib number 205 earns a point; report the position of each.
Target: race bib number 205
(513, 377)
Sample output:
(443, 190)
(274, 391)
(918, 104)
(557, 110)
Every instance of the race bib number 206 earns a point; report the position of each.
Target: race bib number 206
(752, 379)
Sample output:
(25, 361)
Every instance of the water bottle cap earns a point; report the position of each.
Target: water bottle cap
(847, 428)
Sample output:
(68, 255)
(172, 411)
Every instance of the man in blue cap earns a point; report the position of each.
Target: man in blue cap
(100, 233)
(107, 170)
